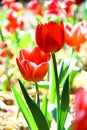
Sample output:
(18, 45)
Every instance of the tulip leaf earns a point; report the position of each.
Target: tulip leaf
(65, 69)
(24, 109)
(63, 73)
(73, 74)
(70, 127)
(45, 110)
(65, 95)
(44, 106)
(64, 102)
(35, 110)
(3, 16)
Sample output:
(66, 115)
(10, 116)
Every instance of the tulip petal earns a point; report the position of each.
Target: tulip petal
(40, 72)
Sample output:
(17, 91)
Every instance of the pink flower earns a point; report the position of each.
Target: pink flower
(80, 122)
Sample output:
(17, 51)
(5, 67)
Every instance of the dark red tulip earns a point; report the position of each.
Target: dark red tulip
(50, 36)
(33, 64)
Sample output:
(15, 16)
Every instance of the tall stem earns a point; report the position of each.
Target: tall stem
(57, 91)
(37, 94)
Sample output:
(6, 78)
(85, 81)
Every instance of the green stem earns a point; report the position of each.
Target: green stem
(2, 37)
(37, 94)
(57, 91)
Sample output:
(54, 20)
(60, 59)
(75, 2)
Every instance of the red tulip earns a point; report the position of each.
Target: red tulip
(33, 64)
(12, 16)
(35, 7)
(67, 7)
(75, 36)
(16, 6)
(53, 7)
(6, 53)
(80, 122)
(13, 21)
(50, 36)
(7, 3)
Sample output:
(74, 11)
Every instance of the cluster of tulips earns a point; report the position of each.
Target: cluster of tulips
(57, 28)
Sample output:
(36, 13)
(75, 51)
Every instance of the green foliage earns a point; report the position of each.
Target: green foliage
(64, 103)
(35, 110)
(26, 112)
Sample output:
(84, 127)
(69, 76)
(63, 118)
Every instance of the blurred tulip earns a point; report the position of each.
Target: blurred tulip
(80, 122)
(6, 53)
(75, 36)
(7, 3)
(67, 7)
(50, 36)
(12, 15)
(52, 7)
(35, 7)
(33, 64)
(13, 21)
(16, 6)
(3, 44)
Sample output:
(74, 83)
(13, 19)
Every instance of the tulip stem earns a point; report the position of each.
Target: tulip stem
(37, 94)
(57, 91)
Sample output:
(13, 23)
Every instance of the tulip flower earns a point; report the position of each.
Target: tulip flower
(13, 21)
(53, 7)
(80, 122)
(5, 53)
(33, 64)
(35, 7)
(66, 4)
(75, 36)
(7, 3)
(50, 36)
(16, 6)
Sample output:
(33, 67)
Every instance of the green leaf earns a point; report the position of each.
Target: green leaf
(44, 106)
(27, 114)
(35, 110)
(73, 74)
(45, 111)
(2, 16)
(63, 72)
(64, 102)
(70, 127)
(85, 10)
(65, 69)
(65, 95)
